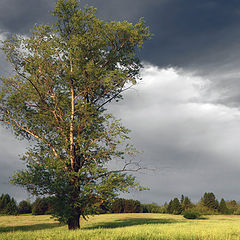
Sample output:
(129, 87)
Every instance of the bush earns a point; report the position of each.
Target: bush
(190, 214)
(203, 210)
(237, 211)
(152, 208)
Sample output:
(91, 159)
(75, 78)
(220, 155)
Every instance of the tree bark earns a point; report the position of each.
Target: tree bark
(72, 154)
(74, 222)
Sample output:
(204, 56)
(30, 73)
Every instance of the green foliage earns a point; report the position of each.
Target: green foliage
(121, 205)
(223, 207)
(174, 207)
(186, 203)
(24, 207)
(8, 205)
(169, 207)
(237, 211)
(4, 200)
(191, 214)
(210, 201)
(42, 206)
(152, 208)
(205, 210)
(64, 77)
(232, 206)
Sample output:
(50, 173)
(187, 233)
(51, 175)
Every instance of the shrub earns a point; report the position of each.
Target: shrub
(190, 214)
(237, 211)
(152, 208)
(203, 210)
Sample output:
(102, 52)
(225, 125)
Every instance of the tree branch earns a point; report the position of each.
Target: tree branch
(114, 96)
(27, 130)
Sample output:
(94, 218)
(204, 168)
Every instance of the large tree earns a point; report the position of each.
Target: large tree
(64, 77)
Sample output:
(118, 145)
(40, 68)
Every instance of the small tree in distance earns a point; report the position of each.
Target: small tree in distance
(223, 207)
(174, 206)
(8, 205)
(186, 203)
(65, 75)
(209, 200)
(24, 207)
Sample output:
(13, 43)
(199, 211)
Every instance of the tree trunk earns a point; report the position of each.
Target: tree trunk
(74, 222)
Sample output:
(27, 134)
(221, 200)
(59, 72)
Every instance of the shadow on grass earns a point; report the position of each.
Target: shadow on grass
(32, 227)
(131, 222)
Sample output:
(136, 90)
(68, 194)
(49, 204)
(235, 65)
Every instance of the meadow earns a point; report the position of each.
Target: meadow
(122, 226)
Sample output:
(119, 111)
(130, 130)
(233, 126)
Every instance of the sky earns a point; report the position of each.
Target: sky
(184, 114)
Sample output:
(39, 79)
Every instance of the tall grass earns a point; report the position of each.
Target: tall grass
(122, 227)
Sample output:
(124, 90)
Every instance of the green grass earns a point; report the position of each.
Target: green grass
(122, 226)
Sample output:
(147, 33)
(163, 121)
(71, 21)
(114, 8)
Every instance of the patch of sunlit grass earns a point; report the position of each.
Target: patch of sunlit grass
(122, 227)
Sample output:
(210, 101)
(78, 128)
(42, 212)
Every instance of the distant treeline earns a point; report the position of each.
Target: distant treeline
(9, 206)
(208, 204)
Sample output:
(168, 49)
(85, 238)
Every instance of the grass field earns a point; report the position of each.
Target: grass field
(122, 226)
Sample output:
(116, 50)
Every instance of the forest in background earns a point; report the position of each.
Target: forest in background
(207, 205)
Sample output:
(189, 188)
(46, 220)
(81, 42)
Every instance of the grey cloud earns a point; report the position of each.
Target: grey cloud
(18, 16)
(218, 178)
(193, 146)
(193, 34)
(10, 151)
(200, 36)
(226, 84)
(123, 10)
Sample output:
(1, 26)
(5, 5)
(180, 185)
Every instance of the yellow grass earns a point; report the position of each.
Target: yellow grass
(122, 226)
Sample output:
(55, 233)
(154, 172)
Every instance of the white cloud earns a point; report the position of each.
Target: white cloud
(173, 104)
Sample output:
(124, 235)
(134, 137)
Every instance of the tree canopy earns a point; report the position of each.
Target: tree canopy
(64, 76)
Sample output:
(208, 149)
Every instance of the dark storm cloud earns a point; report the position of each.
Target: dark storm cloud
(123, 10)
(18, 16)
(194, 34)
(202, 35)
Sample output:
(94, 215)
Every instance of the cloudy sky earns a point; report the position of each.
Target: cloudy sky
(184, 114)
